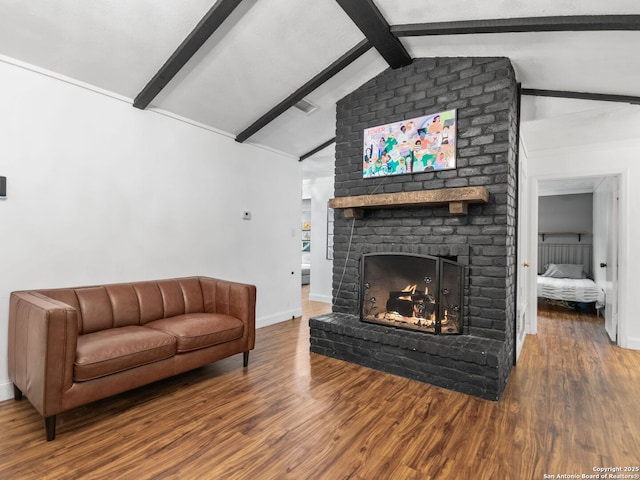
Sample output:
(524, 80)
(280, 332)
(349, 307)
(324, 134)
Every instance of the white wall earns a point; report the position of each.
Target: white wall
(620, 158)
(98, 192)
(319, 190)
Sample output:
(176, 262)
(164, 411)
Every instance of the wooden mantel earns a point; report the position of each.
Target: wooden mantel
(457, 198)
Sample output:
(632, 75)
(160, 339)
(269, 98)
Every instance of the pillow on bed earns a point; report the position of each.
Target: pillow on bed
(564, 270)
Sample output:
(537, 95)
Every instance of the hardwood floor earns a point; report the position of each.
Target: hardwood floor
(571, 404)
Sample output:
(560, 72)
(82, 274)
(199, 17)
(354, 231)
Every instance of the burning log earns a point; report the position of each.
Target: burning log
(410, 304)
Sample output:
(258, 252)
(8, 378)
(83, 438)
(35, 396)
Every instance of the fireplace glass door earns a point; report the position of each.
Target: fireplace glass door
(416, 292)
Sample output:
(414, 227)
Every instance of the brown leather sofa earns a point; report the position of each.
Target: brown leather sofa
(72, 346)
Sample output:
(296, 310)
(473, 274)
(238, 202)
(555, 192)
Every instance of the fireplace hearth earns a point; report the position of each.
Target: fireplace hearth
(416, 292)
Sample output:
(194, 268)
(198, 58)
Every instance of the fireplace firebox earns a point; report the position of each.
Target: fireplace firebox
(416, 292)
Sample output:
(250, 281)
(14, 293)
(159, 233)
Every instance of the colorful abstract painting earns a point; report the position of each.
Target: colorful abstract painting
(421, 144)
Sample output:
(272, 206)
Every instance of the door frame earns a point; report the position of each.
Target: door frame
(606, 209)
(523, 253)
(623, 274)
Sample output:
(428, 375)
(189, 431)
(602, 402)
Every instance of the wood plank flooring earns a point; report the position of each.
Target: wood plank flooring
(571, 404)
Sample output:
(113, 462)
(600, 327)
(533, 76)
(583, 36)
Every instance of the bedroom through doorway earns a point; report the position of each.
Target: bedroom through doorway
(577, 240)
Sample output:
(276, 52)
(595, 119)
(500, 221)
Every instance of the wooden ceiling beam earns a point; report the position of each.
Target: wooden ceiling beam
(317, 149)
(601, 97)
(563, 23)
(370, 21)
(337, 66)
(200, 34)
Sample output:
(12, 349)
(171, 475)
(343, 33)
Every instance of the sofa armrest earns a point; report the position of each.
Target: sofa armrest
(232, 298)
(43, 335)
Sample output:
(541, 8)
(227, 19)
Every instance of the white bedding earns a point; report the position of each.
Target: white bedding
(572, 290)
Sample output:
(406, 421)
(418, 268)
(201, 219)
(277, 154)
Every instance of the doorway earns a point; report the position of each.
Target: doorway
(607, 241)
(305, 241)
(316, 227)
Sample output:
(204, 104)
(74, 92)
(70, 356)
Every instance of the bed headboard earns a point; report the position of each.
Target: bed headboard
(574, 253)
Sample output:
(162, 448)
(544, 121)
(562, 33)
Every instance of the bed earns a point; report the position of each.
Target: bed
(568, 283)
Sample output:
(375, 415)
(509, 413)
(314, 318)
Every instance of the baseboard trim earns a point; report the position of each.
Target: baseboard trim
(320, 298)
(279, 317)
(633, 343)
(6, 390)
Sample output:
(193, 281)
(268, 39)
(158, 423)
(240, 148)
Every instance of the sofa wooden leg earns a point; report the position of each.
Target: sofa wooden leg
(245, 359)
(50, 427)
(17, 393)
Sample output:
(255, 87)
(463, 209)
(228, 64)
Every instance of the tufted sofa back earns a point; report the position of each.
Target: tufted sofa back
(117, 305)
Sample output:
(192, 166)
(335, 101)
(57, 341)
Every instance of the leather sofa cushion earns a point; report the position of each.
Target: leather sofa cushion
(117, 349)
(200, 330)
(95, 308)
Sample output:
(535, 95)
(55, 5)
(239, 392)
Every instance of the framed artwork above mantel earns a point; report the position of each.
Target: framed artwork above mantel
(413, 145)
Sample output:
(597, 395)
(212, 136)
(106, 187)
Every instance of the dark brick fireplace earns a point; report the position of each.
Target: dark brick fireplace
(484, 92)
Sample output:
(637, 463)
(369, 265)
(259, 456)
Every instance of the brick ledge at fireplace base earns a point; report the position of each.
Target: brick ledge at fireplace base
(462, 363)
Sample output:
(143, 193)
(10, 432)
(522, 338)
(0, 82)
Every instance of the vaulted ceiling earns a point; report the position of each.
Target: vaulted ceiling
(237, 66)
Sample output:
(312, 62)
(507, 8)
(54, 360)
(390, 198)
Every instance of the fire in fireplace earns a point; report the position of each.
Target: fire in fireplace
(416, 292)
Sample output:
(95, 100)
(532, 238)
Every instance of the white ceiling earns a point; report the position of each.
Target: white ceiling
(267, 49)
(569, 186)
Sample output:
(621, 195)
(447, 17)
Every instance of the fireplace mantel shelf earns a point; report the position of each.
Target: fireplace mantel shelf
(457, 198)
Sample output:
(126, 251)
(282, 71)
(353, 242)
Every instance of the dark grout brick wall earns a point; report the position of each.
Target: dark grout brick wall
(484, 92)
